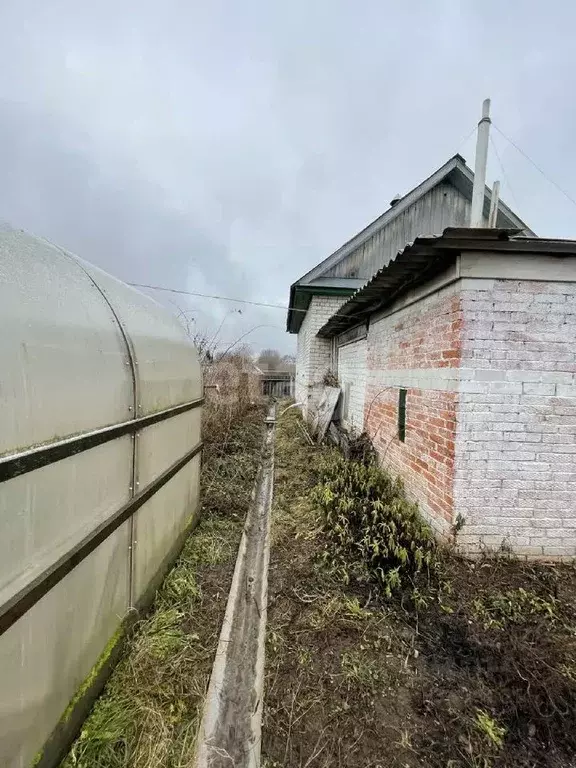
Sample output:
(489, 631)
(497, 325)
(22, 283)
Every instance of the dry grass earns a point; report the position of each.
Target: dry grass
(149, 713)
(477, 672)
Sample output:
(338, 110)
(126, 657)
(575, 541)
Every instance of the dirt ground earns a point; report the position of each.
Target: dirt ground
(480, 673)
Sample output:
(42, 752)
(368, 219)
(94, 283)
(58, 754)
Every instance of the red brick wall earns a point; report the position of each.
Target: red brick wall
(424, 335)
(418, 348)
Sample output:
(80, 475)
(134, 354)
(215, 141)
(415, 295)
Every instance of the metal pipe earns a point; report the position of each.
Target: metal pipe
(494, 200)
(480, 166)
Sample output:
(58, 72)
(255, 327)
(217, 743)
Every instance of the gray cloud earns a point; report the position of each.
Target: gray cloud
(227, 147)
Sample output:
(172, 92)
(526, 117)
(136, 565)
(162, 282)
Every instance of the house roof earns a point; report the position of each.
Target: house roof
(427, 256)
(455, 172)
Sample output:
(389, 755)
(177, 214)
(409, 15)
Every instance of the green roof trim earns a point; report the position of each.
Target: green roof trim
(300, 298)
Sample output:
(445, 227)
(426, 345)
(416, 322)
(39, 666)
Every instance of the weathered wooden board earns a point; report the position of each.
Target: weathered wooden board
(325, 411)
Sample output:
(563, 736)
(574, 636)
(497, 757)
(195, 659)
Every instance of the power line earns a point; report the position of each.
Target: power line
(228, 298)
(472, 132)
(504, 176)
(516, 147)
(212, 296)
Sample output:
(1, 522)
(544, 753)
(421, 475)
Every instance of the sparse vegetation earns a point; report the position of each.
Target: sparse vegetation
(515, 606)
(149, 712)
(476, 670)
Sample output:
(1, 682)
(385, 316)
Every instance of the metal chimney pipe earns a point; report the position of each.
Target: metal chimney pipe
(480, 166)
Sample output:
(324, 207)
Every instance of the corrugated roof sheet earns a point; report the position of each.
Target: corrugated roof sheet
(425, 257)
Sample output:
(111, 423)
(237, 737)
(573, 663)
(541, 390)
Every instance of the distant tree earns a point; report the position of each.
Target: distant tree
(240, 355)
(289, 364)
(269, 360)
(242, 350)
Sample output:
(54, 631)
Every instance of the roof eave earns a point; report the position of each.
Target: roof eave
(426, 256)
(304, 293)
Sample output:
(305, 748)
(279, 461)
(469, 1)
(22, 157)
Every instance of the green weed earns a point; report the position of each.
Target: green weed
(372, 531)
(490, 728)
(361, 670)
(515, 606)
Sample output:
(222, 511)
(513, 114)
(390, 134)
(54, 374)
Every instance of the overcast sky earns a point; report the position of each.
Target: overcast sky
(227, 147)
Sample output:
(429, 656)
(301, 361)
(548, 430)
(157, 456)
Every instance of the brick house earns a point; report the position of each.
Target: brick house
(457, 356)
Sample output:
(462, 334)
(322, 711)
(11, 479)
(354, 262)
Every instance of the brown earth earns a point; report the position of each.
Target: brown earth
(478, 672)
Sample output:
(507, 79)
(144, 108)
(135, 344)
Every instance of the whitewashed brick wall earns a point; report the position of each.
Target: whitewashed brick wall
(352, 374)
(313, 354)
(515, 474)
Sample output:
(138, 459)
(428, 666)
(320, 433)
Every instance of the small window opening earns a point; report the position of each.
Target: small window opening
(402, 415)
